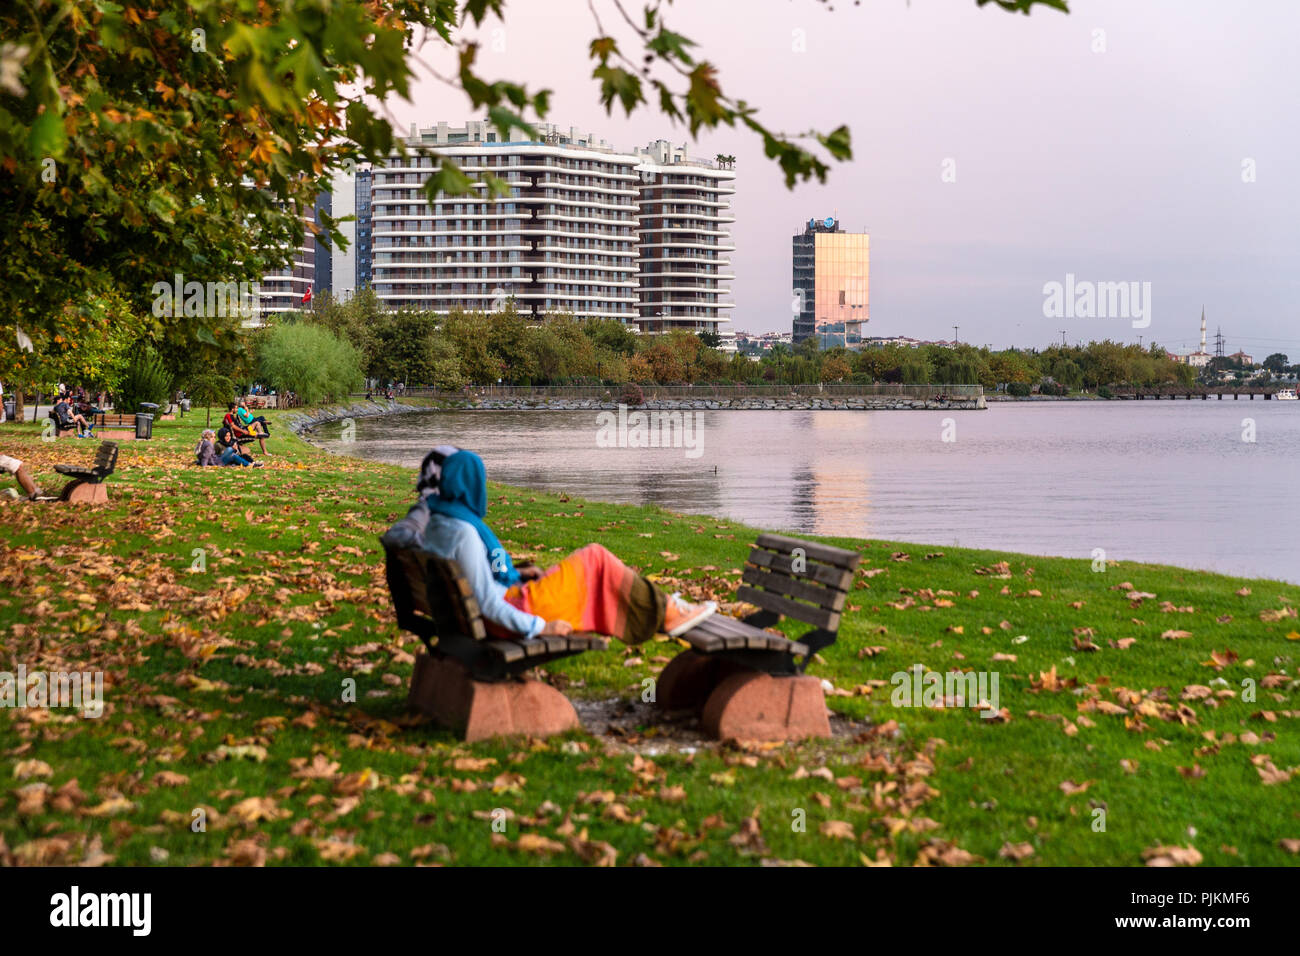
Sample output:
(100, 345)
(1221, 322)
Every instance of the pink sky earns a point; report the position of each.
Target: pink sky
(1123, 165)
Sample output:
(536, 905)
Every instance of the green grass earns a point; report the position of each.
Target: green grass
(253, 652)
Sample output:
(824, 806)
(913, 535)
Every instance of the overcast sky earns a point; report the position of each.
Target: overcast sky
(1122, 165)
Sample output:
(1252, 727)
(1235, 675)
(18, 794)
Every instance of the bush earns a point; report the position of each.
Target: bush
(309, 361)
(1103, 392)
(1053, 388)
(1018, 389)
(631, 395)
(146, 380)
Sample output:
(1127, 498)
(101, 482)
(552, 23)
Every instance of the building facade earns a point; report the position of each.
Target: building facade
(639, 237)
(564, 240)
(683, 258)
(351, 268)
(831, 281)
(291, 290)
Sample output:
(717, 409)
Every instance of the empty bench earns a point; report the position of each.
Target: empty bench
(746, 682)
(87, 485)
(470, 680)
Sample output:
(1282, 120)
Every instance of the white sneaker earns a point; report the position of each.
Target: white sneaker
(680, 616)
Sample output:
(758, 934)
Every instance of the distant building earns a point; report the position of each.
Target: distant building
(683, 247)
(1242, 358)
(292, 289)
(351, 267)
(1199, 358)
(831, 279)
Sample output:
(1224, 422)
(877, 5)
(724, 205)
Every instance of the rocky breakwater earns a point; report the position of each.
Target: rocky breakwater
(303, 422)
(859, 403)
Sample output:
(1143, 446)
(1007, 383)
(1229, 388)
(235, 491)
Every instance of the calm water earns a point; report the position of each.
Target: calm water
(1168, 482)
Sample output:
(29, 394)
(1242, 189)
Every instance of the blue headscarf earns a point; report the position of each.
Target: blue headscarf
(462, 493)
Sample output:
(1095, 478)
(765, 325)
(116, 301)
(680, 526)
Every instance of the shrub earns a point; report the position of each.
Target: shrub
(145, 380)
(1053, 388)
(631, 395)
(310, 361)
(1103, 392)
(1018, 389)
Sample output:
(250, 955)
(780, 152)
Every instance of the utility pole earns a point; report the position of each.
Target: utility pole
(1062, 338)
(954, 335)
(1139, 341)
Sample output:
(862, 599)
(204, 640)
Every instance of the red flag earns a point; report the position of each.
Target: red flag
(306, 296)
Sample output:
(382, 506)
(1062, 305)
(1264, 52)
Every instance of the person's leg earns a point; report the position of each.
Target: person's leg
(593, 590)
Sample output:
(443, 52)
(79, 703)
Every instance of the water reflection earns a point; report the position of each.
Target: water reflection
(1167, 482)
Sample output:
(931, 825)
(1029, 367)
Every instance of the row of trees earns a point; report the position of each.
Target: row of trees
(324, 354)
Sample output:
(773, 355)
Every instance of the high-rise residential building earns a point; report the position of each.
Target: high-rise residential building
(564, 240)
(351, 266)
(290, 290)
(586, 229)
(684, 244)
(831, 272)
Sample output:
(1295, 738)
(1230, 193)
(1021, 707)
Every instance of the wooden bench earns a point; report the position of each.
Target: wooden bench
(87, 485)
(748, 683)
(470, 680)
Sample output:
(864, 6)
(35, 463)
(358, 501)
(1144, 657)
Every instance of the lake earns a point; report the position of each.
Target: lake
(1167, 482)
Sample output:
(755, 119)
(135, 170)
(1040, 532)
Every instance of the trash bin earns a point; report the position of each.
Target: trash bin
(11, 410)
(185, 404)
(144, 420)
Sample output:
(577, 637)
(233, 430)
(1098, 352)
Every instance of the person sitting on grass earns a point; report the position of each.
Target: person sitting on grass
(16, 468)
(206, 451)
(230, 451)
(257, 427)
(590, 590)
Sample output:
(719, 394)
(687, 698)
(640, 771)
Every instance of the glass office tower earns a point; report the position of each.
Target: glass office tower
(830, 282)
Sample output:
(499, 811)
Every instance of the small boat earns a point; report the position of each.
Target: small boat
(1285, 395)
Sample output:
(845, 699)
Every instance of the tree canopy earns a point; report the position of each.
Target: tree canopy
(157, 138)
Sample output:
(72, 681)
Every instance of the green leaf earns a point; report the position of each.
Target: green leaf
(618, 83)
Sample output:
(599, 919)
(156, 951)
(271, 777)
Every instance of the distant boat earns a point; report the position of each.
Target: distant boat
(1285, 395)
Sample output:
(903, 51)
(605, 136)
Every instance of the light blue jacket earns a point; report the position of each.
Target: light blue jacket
(457, 540)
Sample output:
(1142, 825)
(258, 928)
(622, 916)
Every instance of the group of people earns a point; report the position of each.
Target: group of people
(74, 410)
(228, 445)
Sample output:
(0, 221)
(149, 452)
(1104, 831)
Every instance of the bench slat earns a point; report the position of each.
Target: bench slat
(832, 577)
(828, 598)
(509, 650)
(817, 617)
(839, 557)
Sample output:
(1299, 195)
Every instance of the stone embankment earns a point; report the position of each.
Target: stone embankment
(861, 403)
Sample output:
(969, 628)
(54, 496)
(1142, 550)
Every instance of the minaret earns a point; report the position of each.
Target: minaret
(1202, 330)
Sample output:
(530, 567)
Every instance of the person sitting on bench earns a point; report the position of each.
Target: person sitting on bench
(590, 591)
(16, 468)
(257, 427)
(242, 434)
(65, 418)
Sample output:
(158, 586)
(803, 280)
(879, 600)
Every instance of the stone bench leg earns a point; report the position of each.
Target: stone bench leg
(80, 492)
(688, 679)
(756, 706)
(441, 688)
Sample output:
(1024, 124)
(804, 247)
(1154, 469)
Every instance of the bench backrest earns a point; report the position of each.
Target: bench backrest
(804, 580)
(106, 458)
(430, 594)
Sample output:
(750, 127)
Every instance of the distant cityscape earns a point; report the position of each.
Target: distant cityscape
(639, 236)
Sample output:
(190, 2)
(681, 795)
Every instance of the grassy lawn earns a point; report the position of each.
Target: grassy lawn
(228, 608)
